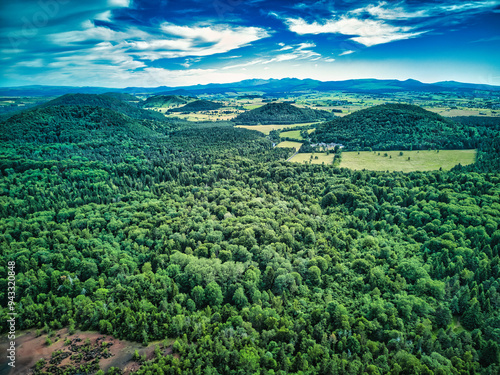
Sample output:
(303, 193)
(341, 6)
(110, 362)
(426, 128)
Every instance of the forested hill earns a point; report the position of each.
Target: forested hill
(395, 126)
(105, 101)
(198, 106)
(281, 113)
(123, 96)
(62, 124)
(159, 101)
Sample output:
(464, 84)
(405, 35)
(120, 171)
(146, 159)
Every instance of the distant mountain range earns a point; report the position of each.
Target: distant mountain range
(264, 86)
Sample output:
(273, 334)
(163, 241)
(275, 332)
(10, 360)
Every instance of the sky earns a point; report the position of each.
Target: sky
(145, 43)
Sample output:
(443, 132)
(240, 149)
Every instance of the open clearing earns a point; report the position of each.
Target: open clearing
(31, 348)
(419, 160)
(289, 144)
(266, 129)
(295, 134)
(322, 157)
(464, 112)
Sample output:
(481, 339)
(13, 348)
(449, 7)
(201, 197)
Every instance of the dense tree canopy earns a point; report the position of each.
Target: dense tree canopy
(198, 106)
(204, 234)
(115, 102)
(158, 101)
(281, 113)
(399, 127)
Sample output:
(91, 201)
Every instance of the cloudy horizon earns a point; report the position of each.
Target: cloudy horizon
(124, 43)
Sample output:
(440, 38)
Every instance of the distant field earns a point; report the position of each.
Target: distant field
(252, 106)
(306, 158)
(288, 144)
(419, 160)
(295, 134)
(464, 112)
(266, 129)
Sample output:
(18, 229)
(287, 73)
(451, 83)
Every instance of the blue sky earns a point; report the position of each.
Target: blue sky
(121, 43)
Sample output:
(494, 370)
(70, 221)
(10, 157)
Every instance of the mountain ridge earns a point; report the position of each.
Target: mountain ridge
(265, 85)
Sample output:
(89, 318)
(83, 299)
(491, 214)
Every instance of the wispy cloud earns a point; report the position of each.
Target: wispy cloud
(301, 51)
(172, 41)
(367, 32)
(347, 52)
(371, 25)
(388, 12)
(405, 11)
(103, 42)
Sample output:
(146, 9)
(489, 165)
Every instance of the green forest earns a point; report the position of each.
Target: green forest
(405, 127)
(198, 106)
(281, 113)
(158, 101)
(148, 229)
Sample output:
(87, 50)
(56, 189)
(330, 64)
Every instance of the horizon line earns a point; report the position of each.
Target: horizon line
(263, 79)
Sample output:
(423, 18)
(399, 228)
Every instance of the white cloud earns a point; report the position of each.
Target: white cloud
(189, 62)
(477, 5)
(36, 63)
(376, 29)
(300, 52)
(173, 41)
(119, 3)
(388, 11)
(119, 56)
(208, 40)
(346, 52)
(394, 13)
(306, 45)
(248, 63)
(382, 39)
(282, 57)
(367, 32)
(106, 75)
(104, 16)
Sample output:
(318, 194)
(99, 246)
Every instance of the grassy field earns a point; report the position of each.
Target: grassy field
(464, 112)
(419, 160)
(295, 145)
(295, 134)
(266, 129)
(322, 157)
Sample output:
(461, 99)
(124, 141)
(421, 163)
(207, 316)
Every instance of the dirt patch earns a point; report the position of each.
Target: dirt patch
(91, 350)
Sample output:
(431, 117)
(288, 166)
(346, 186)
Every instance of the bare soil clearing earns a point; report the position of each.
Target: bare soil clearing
(83, 349)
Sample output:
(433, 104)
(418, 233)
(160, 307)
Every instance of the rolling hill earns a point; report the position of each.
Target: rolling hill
(281, 113)
(198, 106)
(393, 126)
(123, 96)
(104, 101)
(62, 124)
(162, 101)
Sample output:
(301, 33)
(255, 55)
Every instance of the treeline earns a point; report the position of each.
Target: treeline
(254, 264)
(198, 106)
(113, 101)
